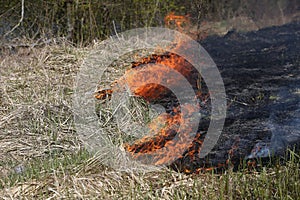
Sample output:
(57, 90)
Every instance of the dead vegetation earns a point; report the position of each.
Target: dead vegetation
(41, 156)
(36, 88)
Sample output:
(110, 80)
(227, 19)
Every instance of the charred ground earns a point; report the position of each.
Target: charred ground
(261, 73)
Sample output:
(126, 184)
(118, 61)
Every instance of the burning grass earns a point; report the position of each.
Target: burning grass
(41, 156)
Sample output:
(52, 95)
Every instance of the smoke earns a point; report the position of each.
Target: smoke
(284, 124)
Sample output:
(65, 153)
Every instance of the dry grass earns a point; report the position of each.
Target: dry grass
(126, 114)
(41, 156)
(35, 116)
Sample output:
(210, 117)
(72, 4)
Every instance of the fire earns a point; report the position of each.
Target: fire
(145, 79)
(163, 141)
(181, 22)
(162, 66)
(103, 94)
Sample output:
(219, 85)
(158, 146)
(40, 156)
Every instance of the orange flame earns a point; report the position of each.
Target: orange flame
(102, 94)
(162, 67)
(160, 141)
(181, 22)
(164, 139)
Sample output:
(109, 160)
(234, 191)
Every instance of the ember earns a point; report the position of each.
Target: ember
(103, 94)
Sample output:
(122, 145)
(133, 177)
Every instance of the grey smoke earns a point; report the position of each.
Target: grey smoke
(285, 132)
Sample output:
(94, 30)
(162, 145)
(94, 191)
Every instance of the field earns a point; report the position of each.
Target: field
(41, 156)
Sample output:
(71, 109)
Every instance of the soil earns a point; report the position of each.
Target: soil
(261, 73)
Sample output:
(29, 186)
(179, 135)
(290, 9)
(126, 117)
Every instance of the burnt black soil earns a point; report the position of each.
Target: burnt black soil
(261, 73)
